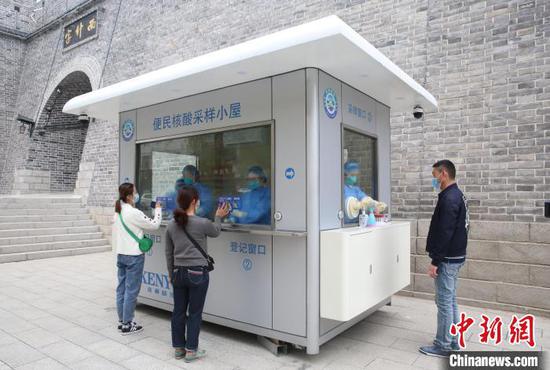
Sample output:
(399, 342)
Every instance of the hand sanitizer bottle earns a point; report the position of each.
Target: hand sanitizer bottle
(363, 218)
(371, 219)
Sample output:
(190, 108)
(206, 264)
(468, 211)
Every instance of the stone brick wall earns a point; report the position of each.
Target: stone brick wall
(17, 19)
(487, 63)
(508, 266)
(32, 14)
(43, 67)
(57, 145)
(12, 51)
(484, 61)
(31, 181)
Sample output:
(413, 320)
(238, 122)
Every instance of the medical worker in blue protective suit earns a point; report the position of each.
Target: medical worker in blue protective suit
(355, 198)
(256, 201)
(191, 176)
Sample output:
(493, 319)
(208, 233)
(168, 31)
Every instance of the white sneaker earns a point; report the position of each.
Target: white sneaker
(131, 328)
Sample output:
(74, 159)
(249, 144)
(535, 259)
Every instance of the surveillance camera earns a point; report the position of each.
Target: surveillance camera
(83, 118)
(418, 112)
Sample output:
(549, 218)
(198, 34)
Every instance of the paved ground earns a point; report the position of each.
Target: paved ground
(59, 313)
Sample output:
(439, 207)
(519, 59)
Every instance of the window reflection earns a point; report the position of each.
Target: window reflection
(231, 166)
(359, 174)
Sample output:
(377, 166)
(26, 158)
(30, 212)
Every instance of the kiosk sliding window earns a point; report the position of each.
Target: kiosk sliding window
(360, 170)
(232, 166)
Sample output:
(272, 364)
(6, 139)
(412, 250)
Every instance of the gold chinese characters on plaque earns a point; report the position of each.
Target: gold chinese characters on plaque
(80, 30)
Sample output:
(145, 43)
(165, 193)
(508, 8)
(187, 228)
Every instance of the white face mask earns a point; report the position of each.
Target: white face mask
(197, 205)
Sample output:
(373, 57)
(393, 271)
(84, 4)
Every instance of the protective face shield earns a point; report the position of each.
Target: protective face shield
(190, 174)
(353, 207)
(253, 184)
(351, 180)
(256, 172)
(351, 172)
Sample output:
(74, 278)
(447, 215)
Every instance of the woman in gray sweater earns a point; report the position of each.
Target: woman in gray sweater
(188, 272)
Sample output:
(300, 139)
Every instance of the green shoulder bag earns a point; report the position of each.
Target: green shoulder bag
(144, 243)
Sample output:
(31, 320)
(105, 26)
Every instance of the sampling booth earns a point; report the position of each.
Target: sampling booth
(294, 109)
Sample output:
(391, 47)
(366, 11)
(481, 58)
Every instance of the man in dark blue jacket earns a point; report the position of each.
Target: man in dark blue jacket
(446, 246)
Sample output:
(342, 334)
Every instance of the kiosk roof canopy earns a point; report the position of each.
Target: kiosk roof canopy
(328, 44)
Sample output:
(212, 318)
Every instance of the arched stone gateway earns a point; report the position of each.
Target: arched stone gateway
(52, 167)
(57, 143)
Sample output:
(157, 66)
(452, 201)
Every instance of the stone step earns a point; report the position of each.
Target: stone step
(497, 271)
(48, 231)
(491, 291)
(49, 238)
(44, 218)
(17, 257)
(48, 198)
(487, 250)
(39, 205)
(42, 211)
(36, 247)
(40, 225)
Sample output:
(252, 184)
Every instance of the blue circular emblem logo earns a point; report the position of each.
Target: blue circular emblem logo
(330, 102)
(128, 130)
(290, 173)
(247, 264)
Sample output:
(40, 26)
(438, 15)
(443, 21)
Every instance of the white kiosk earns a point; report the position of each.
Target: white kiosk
(298, 104)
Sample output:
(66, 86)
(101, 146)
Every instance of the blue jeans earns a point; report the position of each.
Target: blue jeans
(445, 299)
(190, 287)
(130, 272)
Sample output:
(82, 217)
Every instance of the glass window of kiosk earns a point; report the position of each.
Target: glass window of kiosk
(359, 173)
(232, 167)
